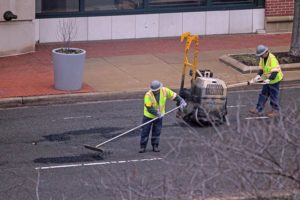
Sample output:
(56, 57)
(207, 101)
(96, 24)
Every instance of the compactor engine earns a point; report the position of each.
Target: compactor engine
(206, 100)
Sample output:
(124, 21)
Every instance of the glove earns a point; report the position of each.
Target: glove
(257, 78)
(159, 114)
(267, 81)
(182, 105)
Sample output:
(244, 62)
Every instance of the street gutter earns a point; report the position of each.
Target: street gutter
(102, 96)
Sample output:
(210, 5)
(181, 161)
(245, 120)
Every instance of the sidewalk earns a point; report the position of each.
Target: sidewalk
(128, 66)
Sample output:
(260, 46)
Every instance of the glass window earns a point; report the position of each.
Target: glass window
(91, 5)
(216, 2)
(44, 6)
(62, 8)
(171, 3)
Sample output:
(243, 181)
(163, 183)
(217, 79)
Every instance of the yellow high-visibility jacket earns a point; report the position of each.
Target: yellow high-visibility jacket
(150, 101)
(272, 65)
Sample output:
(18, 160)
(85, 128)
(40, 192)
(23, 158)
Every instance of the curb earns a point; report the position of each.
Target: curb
(103, 96)
(68, 98)
(10, 102)
(79, 97)
(244, 69)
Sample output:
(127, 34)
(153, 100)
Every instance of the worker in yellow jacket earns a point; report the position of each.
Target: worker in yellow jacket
(270, 72)
(154, 106)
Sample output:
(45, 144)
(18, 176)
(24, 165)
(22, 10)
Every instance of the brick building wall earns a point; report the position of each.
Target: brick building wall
(279, 15)
(279, 7)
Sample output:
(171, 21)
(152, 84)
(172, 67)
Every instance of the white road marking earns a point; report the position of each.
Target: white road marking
(236, 106)
(79, 117)
(264, 117)
(70, 118)
(59, 166)
(97, 163)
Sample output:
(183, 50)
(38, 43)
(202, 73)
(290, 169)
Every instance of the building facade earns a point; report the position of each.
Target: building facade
(279, 15)
(17, 35)
(38, 21)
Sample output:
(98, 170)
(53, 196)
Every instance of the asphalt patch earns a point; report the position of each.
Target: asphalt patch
(60, 137)
(3, 163)
(70, 159)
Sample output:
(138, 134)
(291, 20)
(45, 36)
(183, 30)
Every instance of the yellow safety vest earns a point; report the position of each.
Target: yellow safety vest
(150, 101)
(270, 66)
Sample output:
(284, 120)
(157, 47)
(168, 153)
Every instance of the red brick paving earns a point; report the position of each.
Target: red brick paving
(32, 74)
(28, 75)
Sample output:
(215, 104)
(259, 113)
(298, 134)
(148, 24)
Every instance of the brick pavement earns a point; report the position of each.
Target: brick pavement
(32, 74)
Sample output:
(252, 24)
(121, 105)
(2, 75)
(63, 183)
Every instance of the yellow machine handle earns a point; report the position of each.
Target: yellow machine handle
(186, 64)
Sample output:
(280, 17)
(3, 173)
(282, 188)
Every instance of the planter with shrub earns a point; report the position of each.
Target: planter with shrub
(68, 62)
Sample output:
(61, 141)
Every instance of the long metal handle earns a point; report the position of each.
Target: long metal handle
(238, 84)
(135, 128)
(251, 82)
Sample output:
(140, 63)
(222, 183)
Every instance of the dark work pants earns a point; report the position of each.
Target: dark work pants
(156, 126)
(272, 91)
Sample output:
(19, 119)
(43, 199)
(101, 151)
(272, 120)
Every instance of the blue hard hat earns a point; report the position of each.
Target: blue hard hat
(155, 85)
(261, 50)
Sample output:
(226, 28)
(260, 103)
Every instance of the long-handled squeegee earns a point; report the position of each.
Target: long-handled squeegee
(96, 148)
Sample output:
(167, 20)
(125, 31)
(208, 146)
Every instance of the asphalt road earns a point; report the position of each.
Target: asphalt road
(42, 153)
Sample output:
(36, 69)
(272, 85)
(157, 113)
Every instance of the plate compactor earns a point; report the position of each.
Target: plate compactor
(207, 97)
(206, 100)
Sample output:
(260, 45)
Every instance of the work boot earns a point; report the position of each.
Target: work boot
(155, 148)
(274, 114)
(142, 150)
(255, 111)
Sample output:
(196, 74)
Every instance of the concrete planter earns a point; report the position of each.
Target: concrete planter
(241, 67)
(68, 69)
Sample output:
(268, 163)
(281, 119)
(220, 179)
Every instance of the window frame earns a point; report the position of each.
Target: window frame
(150, 10)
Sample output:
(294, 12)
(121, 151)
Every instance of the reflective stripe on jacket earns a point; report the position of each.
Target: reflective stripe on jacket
(150, 101)
(272, 65)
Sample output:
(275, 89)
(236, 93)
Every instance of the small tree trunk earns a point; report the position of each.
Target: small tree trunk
(295, 43)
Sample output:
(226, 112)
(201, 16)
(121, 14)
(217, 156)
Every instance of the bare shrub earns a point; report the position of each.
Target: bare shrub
(249, 160)
(66, 32)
